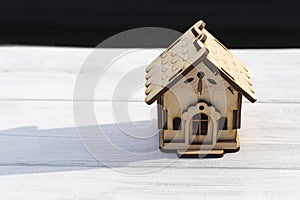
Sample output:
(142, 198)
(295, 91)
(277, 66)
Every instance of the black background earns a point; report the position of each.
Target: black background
(238, 24)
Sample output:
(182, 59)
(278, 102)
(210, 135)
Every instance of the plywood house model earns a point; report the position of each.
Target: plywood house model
(198, 85)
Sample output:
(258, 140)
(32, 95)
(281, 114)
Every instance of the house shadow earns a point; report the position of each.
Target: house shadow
(32, 150)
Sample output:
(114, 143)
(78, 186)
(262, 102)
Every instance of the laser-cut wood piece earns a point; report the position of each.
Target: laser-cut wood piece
(198, 75)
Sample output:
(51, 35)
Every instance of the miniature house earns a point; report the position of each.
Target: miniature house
(198, 85)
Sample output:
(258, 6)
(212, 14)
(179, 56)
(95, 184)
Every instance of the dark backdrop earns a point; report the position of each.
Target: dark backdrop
(239, 24)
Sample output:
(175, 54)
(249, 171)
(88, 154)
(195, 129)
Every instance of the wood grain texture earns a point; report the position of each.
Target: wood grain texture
(42, 156)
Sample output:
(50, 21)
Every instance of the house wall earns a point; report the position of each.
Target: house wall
(214, 92)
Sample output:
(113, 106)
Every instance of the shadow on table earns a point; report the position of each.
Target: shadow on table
(30, 150)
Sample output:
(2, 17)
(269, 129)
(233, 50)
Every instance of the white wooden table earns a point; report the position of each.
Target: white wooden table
(41, 156)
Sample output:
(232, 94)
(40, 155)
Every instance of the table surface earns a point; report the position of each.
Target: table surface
(42, 156)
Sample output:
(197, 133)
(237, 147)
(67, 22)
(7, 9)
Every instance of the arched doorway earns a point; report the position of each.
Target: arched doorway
(200, 124)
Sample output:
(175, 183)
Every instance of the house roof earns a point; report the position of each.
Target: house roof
(195, 46)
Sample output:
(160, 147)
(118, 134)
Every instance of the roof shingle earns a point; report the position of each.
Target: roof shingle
(195, 46)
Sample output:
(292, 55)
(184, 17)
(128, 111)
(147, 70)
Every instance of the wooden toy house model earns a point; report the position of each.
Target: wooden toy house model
(198, 85)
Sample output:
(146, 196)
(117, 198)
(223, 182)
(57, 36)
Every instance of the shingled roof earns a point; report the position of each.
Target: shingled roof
(195, 46)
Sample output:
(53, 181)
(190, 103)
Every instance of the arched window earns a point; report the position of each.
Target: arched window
(200, 124)
(177, 123)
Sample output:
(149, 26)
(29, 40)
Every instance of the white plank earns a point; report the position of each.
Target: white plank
(48, 137)
(42, 156)
(165, 184)
(50, 73)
